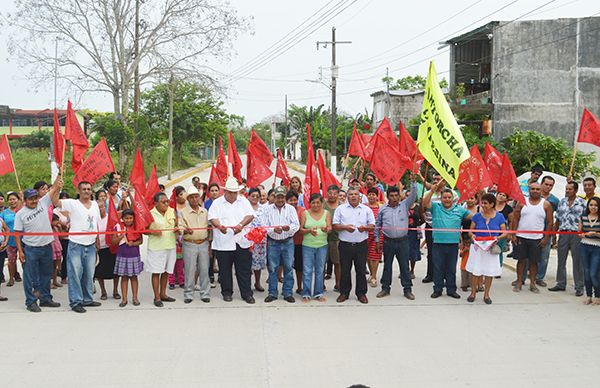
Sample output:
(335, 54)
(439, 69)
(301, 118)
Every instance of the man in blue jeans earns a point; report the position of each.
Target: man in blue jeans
(35, 251)
(81, 255)
(445, 215)
(391, 227)
(283, 223)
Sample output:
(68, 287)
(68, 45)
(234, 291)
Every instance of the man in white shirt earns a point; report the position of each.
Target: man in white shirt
(81, 255)
(35, 251)
(283, 220)
(229, 215)
(353, 220)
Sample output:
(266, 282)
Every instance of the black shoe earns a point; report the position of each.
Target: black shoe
(34, 308)
(227, 298)
(49, 303)
(382, 294)
(470, 299)
(290, 299)
(93, 304)
(578, 293)
(409, 295)
(556, 288)
(78, 309)
(158, 303)
(436, 295)
(487, 300)
(454, 295)
(427, 279)
(186, 301)
(205, 300)
(168, 299)
(270, 298)
(250, 300)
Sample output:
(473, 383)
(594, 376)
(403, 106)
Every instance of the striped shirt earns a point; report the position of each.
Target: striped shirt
(588, 226)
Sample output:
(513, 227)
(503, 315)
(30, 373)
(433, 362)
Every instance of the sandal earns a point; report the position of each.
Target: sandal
(123, 304)
(322, 299)
(103, 297)
(305, 299)
(136, 302)
(597, 301)
(258, 288)
(471, 299)
(588, 301)
(116, 295)
(487, 300)
(534, 289)
(10, 283)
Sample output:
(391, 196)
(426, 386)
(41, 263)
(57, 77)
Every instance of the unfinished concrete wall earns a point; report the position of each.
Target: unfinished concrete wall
(405, 108)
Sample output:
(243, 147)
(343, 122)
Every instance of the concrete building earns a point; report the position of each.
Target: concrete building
(531, 75)
(400, 105)
(19, 122)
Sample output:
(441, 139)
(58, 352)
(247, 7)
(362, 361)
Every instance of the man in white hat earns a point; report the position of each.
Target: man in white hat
(195, 246)
(229, 215)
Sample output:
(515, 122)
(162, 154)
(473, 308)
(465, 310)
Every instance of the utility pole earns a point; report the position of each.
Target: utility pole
(334, 75)
(136, 75)
(286, 132)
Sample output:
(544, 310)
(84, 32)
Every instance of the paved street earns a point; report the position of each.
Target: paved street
(545, 340)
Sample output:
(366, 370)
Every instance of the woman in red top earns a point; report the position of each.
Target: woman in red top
(373, 257)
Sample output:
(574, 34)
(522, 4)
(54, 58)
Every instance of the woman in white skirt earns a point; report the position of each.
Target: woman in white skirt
(484, 256)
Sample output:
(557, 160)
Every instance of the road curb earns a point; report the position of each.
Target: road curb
(188, 174)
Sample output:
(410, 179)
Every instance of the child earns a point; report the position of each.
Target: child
(56, 250)
(129, 263)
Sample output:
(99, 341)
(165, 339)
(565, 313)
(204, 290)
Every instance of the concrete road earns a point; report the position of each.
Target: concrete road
(545, 340)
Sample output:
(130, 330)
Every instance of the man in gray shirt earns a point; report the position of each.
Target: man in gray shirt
(391, 229)
(35, 252)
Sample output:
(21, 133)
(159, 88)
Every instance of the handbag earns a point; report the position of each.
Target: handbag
(495, 249)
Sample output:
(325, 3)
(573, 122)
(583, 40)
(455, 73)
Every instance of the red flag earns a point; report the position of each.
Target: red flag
(281, 171)
(508, 183)
(258, 171)
(589, 130)
(367, 146)
(137, 178)
(58, 140)
(173, 199)
(113, 220)
(356, 148)
(473, 176)
(407, 144)
(143, 217)
(493, 162)
(74, 133)
(221, 166)
(152, 188)
(311, 177)
(214, 177)
(97, 164)
(327, 178)
(388, 164)
(234, 159)
(6, 161)
(259, 148)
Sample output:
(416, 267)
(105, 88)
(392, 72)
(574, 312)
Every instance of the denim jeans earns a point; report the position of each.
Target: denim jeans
(81, 262)
(590, 259)
(542, 266)
(280, 253)
(313, 262)
(400, 250)
(37, 271)
(444, 267)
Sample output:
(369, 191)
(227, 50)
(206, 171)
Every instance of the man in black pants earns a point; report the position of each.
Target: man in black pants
(353, 221)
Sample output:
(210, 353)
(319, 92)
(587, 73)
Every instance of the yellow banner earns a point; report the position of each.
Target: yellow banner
(440, 139)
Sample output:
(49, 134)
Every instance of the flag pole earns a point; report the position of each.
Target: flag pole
(15, 167)
(570, 176)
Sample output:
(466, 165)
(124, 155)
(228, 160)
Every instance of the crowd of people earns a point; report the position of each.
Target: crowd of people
(203, 235)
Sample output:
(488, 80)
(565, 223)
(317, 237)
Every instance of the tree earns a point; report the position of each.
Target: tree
(198, 115)
(97, 41)
(416, 82)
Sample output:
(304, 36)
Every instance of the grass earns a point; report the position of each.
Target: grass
(33, 165)
(22, 130)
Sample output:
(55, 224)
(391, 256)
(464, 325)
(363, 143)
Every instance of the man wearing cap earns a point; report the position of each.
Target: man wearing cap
(282, 222)
(195, 246)
(35, 251)
(81, 254)
(230, 214)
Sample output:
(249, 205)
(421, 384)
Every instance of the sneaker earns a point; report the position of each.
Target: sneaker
(78, 309)
(49, 303)
(34, 308)
(213, 284)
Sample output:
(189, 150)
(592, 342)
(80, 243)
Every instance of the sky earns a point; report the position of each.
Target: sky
(402, 36)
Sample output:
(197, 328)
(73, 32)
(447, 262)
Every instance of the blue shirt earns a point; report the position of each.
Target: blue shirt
(553, 199)
(443, 218)
(207, 203)
(494, 224)
(9, 218)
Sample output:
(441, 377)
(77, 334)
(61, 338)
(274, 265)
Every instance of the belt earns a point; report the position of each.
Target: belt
(353, 243)
(201, 241)
(390, 239)
(278, 241)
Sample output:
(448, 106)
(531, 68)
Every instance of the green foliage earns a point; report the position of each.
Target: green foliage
(416, 82)
(529, 148)
(36, 139)
(198, 115)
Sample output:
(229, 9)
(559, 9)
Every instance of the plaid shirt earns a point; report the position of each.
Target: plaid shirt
(569, 216)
